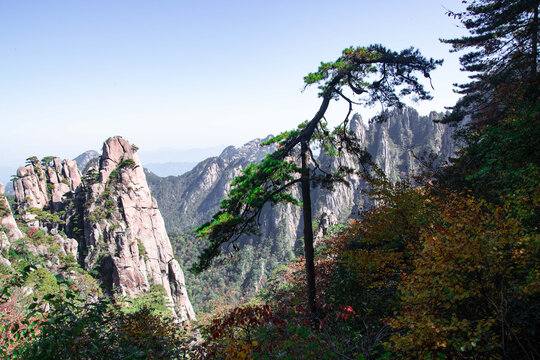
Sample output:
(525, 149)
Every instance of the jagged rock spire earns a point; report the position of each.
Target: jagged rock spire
(125, 232)
(116, 222)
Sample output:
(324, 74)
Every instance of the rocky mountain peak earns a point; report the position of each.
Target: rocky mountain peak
(125, 233)
(46, 184)
(192, 198)
(83, 159)
(251, 151)
(107, 220)
(357, 126)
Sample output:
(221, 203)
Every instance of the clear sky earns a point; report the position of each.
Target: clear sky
(181, 74)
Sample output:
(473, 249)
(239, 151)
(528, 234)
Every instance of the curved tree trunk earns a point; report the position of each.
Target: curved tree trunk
(534, 41)
(308, 232)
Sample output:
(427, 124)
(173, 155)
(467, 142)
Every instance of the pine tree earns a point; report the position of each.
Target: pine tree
(361, 75)
(503, 58)
(501, 141)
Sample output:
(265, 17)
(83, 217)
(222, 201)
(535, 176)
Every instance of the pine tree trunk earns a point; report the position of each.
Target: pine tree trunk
(308, 231)
(534, 41)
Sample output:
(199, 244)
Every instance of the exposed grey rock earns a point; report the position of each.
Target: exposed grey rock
(128, 238)
(41, 186)
(83, 159)
(7, 222)
(326, 220)
(113, 224)
(395, 146)
(191, 199)
(67, 245)
(31, 187)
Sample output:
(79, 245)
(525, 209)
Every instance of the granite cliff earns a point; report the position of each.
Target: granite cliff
(107, 221)
(124, 233)
(190, 199)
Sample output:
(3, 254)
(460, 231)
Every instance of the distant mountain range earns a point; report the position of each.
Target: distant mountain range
(163, 169)
(170, 168)
(193, 195)
(189, 200)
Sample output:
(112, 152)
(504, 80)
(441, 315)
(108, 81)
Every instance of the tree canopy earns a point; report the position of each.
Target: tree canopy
(503, 57)
(373, 74)
(502, 101)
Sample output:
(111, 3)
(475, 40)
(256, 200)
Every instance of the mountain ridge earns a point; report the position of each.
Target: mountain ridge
(189, 200)
(106, 220)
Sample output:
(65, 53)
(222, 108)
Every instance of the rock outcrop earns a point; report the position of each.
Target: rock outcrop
(395, 146)
(125, 235)
(191, 199)
(107, 221)
(9, 228)
(49, 184)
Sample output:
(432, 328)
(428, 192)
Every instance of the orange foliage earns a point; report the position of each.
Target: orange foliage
(477, 269)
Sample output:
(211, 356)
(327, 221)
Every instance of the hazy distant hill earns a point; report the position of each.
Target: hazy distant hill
(170, 168)
(5, 174)
(83, 159)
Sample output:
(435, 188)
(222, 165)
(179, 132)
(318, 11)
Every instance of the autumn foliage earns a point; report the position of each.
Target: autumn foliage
(474, 288)
(453, 277)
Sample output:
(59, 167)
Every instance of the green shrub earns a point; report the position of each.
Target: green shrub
(102, 331)
(142, 249)
(43, 283)
(48, 160)
(114, 175)
(126, 163)
(155, 300)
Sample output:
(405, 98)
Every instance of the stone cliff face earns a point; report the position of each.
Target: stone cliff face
(191, 199)
(41, 191)
(108, 221)
(125, 235)
(9, 230)
(47, 185)
(394, 146)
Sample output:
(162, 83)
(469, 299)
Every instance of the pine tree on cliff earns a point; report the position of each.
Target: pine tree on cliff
(361, 75)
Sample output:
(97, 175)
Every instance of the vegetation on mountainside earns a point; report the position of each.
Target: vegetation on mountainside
(372, 74)
(500, 156)
(442, 267)
(65, 324)
(64, 315)
(446, 267)
(233, 279)
(502, 61)
(454, 277)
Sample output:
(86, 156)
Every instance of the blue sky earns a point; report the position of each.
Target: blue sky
(175, 74)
